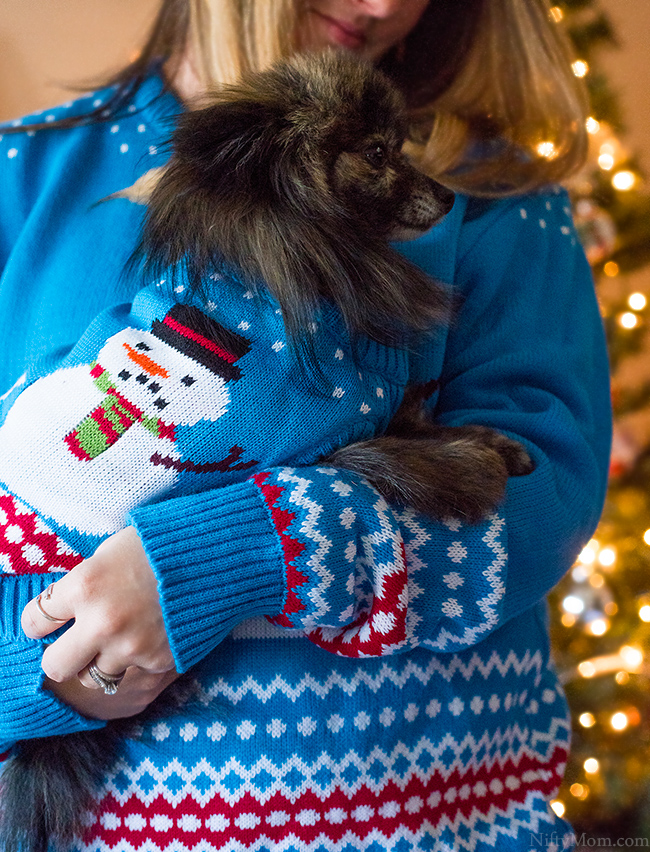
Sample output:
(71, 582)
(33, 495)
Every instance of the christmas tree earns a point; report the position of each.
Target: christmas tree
(600, 612)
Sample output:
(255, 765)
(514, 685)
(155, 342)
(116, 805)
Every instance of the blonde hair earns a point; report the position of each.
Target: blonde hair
(515, 101)
(511, 118)
(494, 105)
(230, 39)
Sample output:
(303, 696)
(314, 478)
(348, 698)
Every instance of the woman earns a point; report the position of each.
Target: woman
(447, 730)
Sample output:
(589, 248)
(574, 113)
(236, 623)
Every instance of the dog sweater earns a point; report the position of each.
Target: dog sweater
(369, 679)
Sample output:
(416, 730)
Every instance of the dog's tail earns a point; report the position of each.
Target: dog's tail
(46, 789)
(48, 786)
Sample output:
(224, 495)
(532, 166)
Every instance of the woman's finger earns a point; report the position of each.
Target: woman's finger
(135, 693)
(70, 654)
(46, 613)
(113, 598)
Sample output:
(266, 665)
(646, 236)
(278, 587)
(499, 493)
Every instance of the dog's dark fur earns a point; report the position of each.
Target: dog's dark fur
(295, 178)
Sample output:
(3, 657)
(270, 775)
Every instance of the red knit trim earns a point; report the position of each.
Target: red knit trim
(229, 357)
(377, 632)
(105, 425)
(74, 445)
(27, 546)
(133, 410)
(291, 549)
(166, 430)
(467, 793)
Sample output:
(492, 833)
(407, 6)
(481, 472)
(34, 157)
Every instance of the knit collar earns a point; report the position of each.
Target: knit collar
(161, 105)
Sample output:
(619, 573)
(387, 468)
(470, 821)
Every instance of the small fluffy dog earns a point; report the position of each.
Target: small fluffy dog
(294, 177)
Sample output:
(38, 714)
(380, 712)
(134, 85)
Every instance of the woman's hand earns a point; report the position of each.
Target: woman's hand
(135, 694)
(113, 598)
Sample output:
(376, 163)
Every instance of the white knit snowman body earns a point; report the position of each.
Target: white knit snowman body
(85, 445)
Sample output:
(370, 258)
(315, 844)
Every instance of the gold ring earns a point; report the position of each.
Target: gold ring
(48, 594)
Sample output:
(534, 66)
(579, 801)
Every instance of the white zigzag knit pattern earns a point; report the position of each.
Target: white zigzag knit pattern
(309, 528)
(399, 677)
(234, 779)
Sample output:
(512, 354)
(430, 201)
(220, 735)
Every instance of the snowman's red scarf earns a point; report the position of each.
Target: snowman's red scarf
(110, 420)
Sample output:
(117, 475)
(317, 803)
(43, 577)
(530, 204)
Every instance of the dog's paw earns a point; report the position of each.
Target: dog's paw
(446, 472)
(467, 469)
(470, 482)
(517, 460)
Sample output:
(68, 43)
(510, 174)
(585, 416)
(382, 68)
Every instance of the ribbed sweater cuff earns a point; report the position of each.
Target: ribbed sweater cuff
(218, 561)
(28, 710)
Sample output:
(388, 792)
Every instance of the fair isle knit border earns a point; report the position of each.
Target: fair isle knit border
(385, 553)
(412, 818)
(27, 544)
(472, 793)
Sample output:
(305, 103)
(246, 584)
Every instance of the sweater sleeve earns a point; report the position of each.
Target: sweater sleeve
(319, 550)
(528, 357)
(27, 709)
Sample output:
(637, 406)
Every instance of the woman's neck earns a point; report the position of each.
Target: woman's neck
(182, 77)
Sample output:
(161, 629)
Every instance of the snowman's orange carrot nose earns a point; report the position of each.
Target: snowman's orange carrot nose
(146, 363)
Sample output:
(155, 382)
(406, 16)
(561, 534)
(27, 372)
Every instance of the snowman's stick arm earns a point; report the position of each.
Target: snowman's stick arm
(223, 466)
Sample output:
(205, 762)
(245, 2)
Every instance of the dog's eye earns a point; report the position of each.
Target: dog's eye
(376, 156)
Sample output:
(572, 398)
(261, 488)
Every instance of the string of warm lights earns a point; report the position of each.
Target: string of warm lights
(587, 576)
(630, 319)
(602, 607)
(628, 660)
(589, 604)
(588, 572)
(610, 151)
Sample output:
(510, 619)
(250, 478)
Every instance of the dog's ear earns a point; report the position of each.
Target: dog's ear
(218, 173)
(226, 148)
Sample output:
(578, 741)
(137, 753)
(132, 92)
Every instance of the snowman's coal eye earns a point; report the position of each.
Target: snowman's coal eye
(143, 347)
(160, 403)
(187, 381)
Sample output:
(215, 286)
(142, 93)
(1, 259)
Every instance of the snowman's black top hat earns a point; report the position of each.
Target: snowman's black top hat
(203, 339)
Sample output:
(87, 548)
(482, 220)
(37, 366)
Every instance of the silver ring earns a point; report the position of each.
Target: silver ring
(48, 594)
(108, 682)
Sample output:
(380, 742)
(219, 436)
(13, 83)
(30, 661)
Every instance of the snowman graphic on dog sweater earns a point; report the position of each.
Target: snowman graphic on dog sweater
(82, 447)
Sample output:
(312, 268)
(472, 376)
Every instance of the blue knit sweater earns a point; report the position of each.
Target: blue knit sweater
(403, 696)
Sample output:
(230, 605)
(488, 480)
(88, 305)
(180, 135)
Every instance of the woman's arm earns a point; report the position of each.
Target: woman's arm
(114, 599)
(26, 709)
(528, 357)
